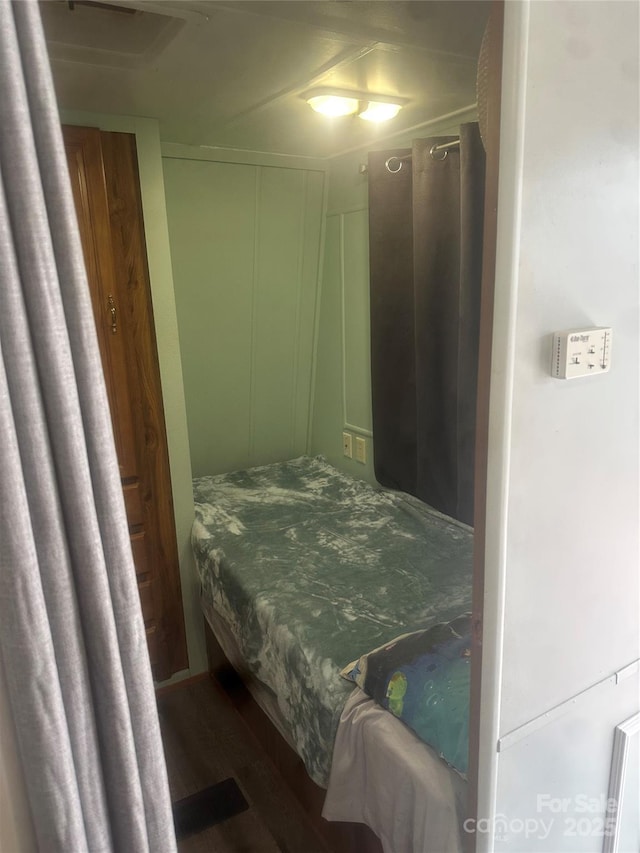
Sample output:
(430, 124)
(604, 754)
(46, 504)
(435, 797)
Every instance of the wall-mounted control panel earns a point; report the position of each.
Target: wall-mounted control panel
(581, 352)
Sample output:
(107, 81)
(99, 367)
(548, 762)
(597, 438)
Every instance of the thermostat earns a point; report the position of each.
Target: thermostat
(581, 352)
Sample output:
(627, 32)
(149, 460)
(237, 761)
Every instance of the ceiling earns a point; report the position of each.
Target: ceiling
(231, 74)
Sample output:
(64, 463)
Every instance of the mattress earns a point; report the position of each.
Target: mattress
(309, 569)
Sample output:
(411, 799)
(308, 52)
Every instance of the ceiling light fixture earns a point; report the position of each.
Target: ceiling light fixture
(380, 111)
(340, 102)
(334, 105)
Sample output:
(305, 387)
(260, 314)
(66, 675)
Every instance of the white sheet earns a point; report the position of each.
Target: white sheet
(384, 776)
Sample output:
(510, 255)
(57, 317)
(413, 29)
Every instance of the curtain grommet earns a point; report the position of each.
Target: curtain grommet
(433, 152)
(391, 160)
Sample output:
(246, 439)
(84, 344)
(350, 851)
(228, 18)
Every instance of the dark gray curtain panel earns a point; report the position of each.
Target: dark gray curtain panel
(445, 241)
(72, 639)
(393, 386)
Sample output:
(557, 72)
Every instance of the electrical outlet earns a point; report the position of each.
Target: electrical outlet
(361, 449)
(347, 446)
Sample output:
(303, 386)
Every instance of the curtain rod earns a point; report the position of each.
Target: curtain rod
(398, 161)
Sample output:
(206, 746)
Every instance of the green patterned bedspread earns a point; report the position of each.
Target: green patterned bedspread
(311, 569)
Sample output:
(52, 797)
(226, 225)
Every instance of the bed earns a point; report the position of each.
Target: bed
(302, 570)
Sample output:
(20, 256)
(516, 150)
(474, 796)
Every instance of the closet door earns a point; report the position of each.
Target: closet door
(104, 179)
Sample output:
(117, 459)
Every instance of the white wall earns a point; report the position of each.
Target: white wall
(562, 592)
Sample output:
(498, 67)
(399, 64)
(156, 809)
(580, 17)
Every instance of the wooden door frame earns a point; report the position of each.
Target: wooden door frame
(490, 235)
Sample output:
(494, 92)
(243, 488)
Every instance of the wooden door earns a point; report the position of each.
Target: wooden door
(105, 184)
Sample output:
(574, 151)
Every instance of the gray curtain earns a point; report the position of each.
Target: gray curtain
(72, 639)
(425, 312)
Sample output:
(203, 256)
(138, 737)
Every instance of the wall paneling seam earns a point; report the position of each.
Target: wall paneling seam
(254, 288)
(360, 430)
(343, 320)
(242, 157)
(359, 208)
(510, 738)
(316, 310)
(300, 271)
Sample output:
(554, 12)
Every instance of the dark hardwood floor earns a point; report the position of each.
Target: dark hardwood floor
(206, 742)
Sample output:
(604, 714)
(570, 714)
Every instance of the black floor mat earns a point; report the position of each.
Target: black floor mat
(206, 808)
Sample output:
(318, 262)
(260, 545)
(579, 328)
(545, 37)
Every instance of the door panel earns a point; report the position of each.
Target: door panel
(87, 181)
(104, 180)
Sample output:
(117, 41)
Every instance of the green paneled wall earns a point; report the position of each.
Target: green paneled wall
(355, 324)
(343, 378)
(245, 245)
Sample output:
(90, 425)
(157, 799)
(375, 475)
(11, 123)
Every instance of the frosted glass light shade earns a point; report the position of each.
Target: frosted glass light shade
(370, 106)
(380, 111)
(333, 105)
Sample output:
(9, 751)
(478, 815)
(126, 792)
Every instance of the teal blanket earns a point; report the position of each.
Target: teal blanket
(311, 569)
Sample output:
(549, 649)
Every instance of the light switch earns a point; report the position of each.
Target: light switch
(361, 449)
(347, 446)
(581, 352)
